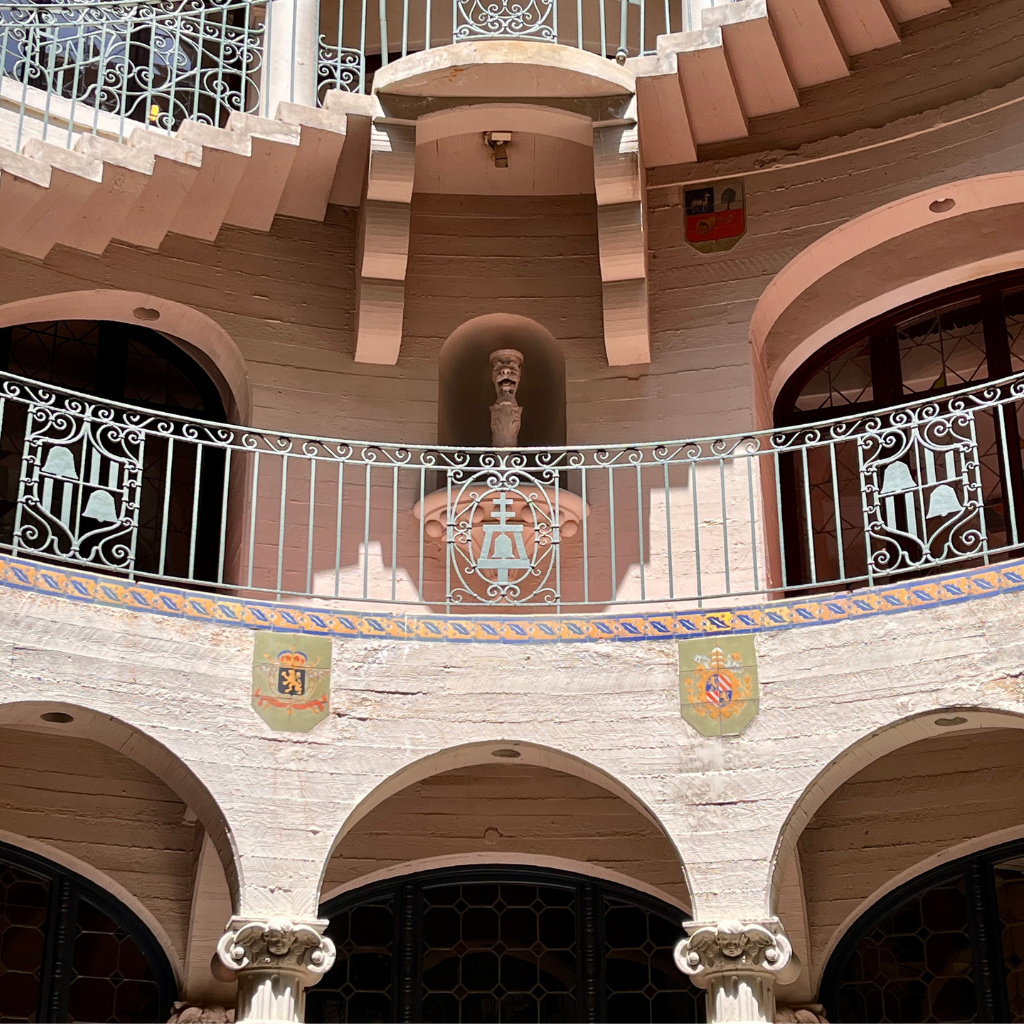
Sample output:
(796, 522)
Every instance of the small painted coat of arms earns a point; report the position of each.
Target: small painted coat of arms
(718, 691)
(291, 676)
(716, 215)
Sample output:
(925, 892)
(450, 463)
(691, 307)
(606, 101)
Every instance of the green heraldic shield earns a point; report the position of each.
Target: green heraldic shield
(291, 680)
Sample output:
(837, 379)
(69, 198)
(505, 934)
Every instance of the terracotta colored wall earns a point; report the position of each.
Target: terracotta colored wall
(106, 810)
(507, 809)
(900, 810)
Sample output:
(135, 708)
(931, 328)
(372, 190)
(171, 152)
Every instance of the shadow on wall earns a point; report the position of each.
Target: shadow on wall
(465, 392)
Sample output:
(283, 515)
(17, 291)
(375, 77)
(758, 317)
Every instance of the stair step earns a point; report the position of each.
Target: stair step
(864, 25)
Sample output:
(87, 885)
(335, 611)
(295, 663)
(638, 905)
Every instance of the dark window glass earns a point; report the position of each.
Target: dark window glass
(111, 978)
(102, 966)
(641, 978)
(479, 946)
(916, 965)
(358, 987)
(946, 947)
(942, 349)
(843, 381)
(1010, 899)
(24, 903)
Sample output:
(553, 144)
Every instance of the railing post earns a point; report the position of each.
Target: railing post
(291, 53)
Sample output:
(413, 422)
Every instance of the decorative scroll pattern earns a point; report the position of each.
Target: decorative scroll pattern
(285, 514)
(517, 19)
(338, 67)
(157, 62)
(922, 491)
(79, 492)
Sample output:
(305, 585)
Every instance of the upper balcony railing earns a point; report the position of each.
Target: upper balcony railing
(898, 493)
(107, 66)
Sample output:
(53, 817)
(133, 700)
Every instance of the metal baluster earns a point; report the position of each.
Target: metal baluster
(753, 520)
(976, 455)
(835, 505)
(611, 535)
(423, 482)
(725, 524)
(382, 8)
(394, 531)
(362, 46)
(196, 481)
(640, 530)
(253, 499)
(586, 546)
(368, 494)
(312, 518)
(668, 533)
(224, 514)
(162, 563)
(1001, 411)
(337, 529)
(282, 513)
(807, 513)
(603, 27)
(781, 523)
(696, 534)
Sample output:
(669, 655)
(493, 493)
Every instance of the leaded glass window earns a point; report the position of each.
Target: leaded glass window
(71, 952)
(503, 945)
(948, 946)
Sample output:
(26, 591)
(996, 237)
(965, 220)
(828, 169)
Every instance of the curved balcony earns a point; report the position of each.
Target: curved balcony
(863, 500)
(107, 67)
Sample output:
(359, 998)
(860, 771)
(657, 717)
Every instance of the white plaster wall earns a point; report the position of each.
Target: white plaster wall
(613, 706)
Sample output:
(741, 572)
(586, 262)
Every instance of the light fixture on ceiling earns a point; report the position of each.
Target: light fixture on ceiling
(499, 143)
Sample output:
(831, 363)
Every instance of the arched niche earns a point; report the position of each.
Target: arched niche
(465, 392)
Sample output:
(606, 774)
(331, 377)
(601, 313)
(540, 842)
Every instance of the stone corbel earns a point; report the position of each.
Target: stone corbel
(621, 241)
(739, 963)
(384, 256)
(275, 960)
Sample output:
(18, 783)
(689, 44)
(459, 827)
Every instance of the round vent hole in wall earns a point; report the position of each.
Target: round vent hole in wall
(145, 313)
(942, 205)
(60, 717)
(506, 752)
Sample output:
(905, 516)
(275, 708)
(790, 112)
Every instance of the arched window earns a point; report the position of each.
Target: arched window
(948, 946)
(933, 347)
(503, 944)
(71, 952)
(178, 529)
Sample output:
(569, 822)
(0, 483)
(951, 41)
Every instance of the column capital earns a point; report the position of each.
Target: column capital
(736, 947)
(277, 944)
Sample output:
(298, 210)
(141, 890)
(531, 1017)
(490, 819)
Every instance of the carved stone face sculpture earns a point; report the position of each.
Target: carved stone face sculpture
(506, 413)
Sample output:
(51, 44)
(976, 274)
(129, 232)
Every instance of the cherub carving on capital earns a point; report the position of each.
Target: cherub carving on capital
(733, 946)
(275, 944)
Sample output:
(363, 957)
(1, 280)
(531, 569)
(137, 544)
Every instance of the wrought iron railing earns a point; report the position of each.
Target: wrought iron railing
(890, 495)
(106, 67)
(357, 38)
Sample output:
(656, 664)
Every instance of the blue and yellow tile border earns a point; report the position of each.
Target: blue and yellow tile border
(104, 591)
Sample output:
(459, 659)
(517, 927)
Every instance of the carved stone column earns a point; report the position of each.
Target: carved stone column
(739, 963)
(275, 959)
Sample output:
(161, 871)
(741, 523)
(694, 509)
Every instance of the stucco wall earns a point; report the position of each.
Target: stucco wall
(102, 808)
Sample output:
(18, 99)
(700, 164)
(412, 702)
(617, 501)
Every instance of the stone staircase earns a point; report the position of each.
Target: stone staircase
(750, 58)
(190, 183)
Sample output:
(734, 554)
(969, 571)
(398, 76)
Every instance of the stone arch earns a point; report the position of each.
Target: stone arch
(202, 337)
(131, 741)
(105, 882)
(869, 748)
(465, 392)
(504, 752)
(903, 251)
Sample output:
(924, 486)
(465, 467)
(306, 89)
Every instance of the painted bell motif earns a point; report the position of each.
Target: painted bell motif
(943, 502)
(897, 478)
(100, 507)
(60, 462)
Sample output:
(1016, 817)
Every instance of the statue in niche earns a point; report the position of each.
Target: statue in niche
(506, 413)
